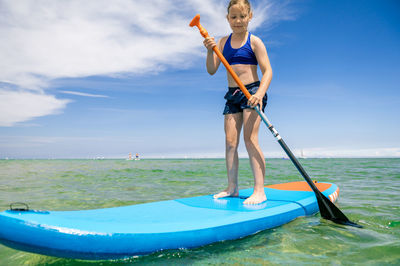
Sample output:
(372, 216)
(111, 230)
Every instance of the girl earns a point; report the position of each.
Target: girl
(243, 51)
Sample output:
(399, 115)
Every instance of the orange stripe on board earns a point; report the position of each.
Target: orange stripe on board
(334, 196)
(300, 186)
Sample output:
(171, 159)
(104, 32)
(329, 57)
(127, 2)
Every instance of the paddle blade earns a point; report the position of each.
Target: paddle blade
(329, 211)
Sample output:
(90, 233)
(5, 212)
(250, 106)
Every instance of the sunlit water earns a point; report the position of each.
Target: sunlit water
(369, 195)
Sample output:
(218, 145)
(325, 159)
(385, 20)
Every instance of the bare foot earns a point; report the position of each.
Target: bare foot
(256, 198)
(226, 193)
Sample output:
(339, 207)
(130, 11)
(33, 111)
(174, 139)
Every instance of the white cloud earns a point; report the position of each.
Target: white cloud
(53, 39)
(77, 93)
(45, 40)
(20, 106)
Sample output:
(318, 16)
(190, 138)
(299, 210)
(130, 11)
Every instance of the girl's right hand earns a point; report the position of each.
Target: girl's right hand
(209, 43)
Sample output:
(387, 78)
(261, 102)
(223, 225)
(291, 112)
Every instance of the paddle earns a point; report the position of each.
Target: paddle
(327, 209)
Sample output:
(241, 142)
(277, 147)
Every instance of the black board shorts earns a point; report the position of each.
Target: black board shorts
(236, 101)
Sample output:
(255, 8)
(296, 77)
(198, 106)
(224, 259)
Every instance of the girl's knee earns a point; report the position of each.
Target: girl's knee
(250, 137)
(232, 144)
(251, 141)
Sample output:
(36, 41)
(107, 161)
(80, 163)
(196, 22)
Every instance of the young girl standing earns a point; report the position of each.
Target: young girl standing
(244, 52)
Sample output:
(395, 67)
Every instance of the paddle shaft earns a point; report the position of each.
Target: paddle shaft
(287, 150)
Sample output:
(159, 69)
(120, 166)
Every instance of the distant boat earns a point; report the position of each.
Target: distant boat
(302, 155)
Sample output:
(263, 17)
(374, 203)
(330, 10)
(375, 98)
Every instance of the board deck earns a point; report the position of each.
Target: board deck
(146, 228)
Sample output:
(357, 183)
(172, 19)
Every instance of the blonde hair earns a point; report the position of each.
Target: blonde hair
(242, 3)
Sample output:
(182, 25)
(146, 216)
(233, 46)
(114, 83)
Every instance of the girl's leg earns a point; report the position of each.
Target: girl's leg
(233, 125)
(251, 125)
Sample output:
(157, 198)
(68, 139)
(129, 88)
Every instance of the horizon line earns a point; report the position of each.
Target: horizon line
(198, 158)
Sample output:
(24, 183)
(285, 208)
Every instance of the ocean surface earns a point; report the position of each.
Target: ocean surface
(369, 195)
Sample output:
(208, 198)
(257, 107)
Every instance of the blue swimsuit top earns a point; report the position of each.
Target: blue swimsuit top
(243, 55)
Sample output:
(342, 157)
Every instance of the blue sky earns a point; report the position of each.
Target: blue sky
(103, 80)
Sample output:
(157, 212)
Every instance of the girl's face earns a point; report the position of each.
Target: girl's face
(238, 18)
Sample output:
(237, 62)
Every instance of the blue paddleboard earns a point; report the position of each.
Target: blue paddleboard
(145, 228)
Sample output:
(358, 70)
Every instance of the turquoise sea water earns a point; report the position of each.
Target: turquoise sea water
(369, 195)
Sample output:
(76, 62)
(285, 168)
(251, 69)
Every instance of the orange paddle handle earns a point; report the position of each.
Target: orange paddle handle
(196, 22)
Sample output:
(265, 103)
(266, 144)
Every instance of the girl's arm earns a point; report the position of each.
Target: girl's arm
(262, 57)
(213, 61)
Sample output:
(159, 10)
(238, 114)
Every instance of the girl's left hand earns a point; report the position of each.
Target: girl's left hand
(254, 101)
